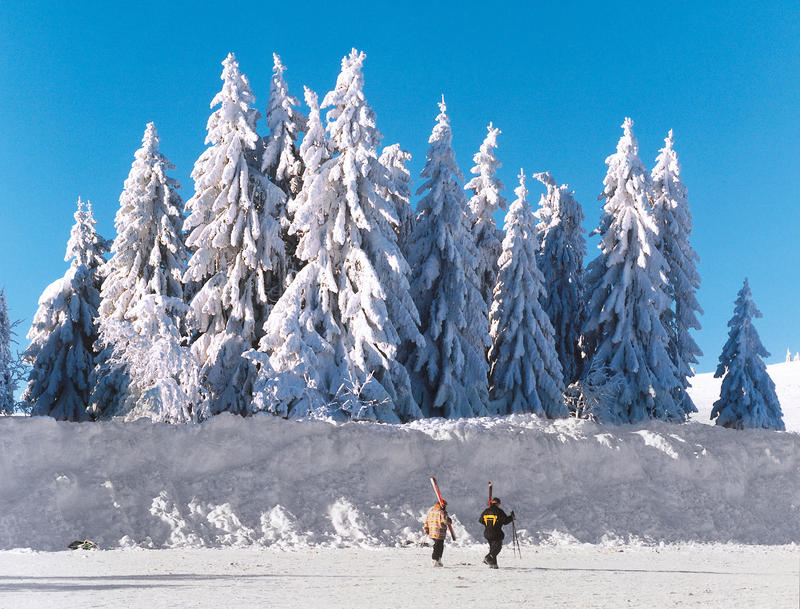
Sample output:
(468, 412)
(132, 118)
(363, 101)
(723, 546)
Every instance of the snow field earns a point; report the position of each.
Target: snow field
(556, 577)
(265, 481)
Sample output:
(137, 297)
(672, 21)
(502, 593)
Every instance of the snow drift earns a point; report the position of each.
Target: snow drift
(274, 482)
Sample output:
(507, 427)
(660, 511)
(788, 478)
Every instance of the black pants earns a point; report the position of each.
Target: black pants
(495, 545)
(438, 549)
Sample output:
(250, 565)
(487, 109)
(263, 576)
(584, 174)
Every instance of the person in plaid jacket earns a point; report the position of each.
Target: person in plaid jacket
(436, 528)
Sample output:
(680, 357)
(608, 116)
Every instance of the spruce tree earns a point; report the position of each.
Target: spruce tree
(148, 258)
(486, 200)
(163, 374)
(394, 159)
(624, 333)
(525, 372)
(450, 371)
(560, 258)
(674, 222)
(8, 378)
(295, 359)
(281, 161)
(747, 396)
(354, 284)
(237, 254)
(63, 333)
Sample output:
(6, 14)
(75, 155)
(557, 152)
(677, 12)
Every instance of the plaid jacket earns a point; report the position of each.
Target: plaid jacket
(436, 522)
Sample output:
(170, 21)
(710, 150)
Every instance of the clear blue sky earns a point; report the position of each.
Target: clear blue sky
(81, 79)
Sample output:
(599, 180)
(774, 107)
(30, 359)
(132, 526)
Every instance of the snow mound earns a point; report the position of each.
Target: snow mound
(266, 481)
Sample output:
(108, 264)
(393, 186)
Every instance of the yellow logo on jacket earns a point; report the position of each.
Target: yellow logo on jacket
(490, 518)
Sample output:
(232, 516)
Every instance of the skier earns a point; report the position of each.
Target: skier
(436, 523)
(493, 519)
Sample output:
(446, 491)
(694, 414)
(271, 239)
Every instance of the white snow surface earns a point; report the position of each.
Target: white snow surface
(269, 482)
(551, 577)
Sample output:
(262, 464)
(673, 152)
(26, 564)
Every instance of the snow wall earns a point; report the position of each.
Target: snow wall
(272, 482)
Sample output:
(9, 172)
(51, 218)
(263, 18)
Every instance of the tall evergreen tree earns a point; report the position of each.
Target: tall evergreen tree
(8, 379)
(623, 329)
(394, 159)
(296, 355)
(281, 161)
(63, 333)
(486, 200)
(148, 258)
(354, 285)
(163, 374)
(674, 222)
(525, 372)
(237, 254)
(747, 397)
(560, 258)
(451, 371)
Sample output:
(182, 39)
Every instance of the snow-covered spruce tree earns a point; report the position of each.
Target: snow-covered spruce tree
(625, 337)
(63, 333)
(148, 258)
(164, 383)
(450, 371)
(8, 381)
(398, 192)
(560, 258)
(674, 222)
(237, 254)
(747, 397)
(524, 369)
(295, 359)
(281, 161)
(486, 200)
(348, 312)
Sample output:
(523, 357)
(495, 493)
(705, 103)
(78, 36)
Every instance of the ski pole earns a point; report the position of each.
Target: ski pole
(515, 540)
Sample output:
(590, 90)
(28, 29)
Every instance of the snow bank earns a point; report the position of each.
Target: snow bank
(268, 481)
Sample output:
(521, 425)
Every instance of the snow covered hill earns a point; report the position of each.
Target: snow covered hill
(786, 376)
(268, 481)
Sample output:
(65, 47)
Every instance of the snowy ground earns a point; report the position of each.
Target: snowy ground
(569, 577)
(274, 513)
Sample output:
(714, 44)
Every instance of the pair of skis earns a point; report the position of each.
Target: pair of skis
(515, 541)
(441, 502)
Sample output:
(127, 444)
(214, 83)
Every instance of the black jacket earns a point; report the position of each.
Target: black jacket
(493, 519)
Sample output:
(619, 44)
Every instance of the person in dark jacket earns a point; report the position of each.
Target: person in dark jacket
(493, 519)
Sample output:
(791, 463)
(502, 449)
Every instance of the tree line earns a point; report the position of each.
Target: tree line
(299, 281)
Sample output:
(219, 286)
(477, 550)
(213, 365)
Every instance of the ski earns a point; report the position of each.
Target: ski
(490, 494)
(441, 502)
